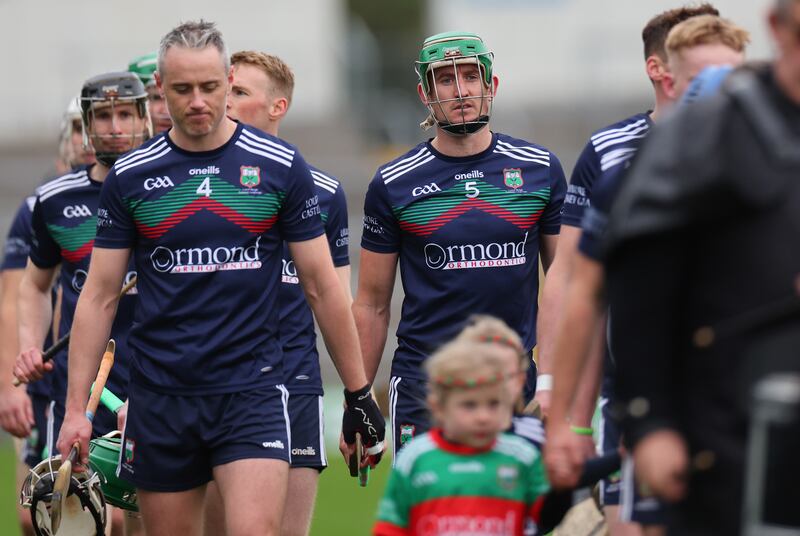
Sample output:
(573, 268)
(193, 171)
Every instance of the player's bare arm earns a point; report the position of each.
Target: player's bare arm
(16, 411)
(555, 284)
(327, 299)
(372, 306)
(344, 273)
(576, 335)
(94, 315)
(35, 314)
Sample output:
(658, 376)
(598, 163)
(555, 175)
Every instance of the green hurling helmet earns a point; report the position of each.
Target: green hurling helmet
(144, 67)
(452, 49)
(104, 455)
(459, 46)
(113, 89)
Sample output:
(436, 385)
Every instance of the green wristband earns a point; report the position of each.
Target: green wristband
(582, 430)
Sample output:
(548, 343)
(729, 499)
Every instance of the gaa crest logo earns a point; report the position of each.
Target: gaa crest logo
(512, 177)
(130, 445)
(250, 176)
(406, 433)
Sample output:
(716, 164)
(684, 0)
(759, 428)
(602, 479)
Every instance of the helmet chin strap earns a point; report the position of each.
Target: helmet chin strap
(107, 159)
(464, 129)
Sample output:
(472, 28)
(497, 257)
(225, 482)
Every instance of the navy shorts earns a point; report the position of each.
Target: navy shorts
(529, 390)
(36, 443)
(620, 488)
(408, 411)
(307, 428)
(172, 442)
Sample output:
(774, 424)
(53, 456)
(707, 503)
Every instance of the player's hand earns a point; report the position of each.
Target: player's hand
(122, 415)
(29, 366)
(345, 449)
(543, 397)
(76, 427)
(16, 411)
(362, 415)
(564, 455)
(661, 461)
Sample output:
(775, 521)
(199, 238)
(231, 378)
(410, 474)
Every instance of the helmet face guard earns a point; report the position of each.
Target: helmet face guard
(111, 90)
(84, 510)
(451, 50)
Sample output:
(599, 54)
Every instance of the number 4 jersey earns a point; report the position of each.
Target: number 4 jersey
(207, 229)
(467, 231)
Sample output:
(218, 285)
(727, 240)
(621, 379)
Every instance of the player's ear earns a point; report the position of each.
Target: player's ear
(495, 83)
(278, 108)
(159, 81)
(422, 96)
(655, 68)
(230, 76)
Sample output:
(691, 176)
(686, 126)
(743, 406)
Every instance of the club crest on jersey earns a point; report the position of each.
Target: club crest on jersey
(512, 177)
(406, 433)
(507, 476)
(130, 445)
(250, 176)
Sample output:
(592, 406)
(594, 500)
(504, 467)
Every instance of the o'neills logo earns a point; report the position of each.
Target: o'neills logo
(208, 170)
(193, 260)
(465, 525)
(492, 255)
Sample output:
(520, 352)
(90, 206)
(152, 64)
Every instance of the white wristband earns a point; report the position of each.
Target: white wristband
(544, 382)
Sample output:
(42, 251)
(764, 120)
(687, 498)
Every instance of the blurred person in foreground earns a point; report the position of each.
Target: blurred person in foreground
(465, 475)
(703, 284)
(694, 41)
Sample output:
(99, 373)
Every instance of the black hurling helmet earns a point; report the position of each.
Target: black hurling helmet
(112, 89)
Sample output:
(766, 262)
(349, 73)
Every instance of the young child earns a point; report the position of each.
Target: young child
(465, 476)
(490, 330)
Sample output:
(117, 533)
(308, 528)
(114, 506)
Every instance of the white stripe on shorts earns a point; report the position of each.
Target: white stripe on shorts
(285, 402)
(51, 424)
(122, 442)
(601, 432)
(393, 411)
(322, 454)
(626, 491)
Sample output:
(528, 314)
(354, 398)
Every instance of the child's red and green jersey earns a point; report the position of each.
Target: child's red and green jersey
(438, 488)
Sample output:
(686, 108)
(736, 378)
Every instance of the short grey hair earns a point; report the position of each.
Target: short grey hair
(194, 34)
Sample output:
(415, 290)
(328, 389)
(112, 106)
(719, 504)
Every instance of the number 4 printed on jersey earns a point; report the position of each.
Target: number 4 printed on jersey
(205, 187)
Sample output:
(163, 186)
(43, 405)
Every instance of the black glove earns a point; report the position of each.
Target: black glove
(362, 415)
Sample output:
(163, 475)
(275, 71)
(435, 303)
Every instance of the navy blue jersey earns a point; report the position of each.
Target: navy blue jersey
(64, 222)
(606, 148)
(612, 147)
(18, 241)
(467, 231)
(15, 257)
(207, 231)
(298, 338)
